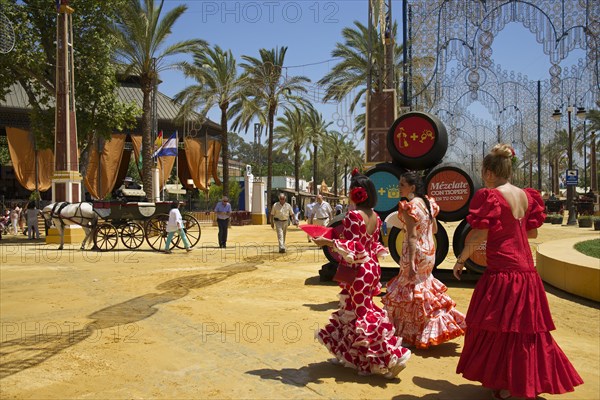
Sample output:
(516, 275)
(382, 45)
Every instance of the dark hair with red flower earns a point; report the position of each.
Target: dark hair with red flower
(355, 171)
(362, 190)
(358, 195)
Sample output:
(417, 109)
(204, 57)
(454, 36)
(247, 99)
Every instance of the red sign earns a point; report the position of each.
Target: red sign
(450, 189)
(414, 136)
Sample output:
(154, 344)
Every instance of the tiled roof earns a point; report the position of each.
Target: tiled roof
(167, 109)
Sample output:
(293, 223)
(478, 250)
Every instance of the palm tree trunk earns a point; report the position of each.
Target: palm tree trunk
(555, 186)
(270, 162)
(297, 170)
(146, 85)
(225, 149)
(345, 179)
(593, 165)
(315, 190)
(335, 175)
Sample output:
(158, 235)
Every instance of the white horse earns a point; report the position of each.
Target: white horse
(63, 213)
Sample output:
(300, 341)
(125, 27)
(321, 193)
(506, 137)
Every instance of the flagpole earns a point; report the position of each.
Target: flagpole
(177, 163)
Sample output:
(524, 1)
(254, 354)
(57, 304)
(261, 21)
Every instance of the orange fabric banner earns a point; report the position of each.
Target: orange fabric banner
(23, 156)
(215, 150)
(196, 161)
(110, 160)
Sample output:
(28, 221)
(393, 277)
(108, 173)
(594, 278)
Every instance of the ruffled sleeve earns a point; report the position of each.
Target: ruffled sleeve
(484, 210)
(433, 205)
(409, 208)
(536, 215)
(351, 250)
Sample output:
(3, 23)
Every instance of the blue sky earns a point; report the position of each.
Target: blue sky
(310, 29)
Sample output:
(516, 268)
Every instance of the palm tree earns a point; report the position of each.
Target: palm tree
(218, 84)
(334, 142)
(594, 117)
(353, 71)
(291, 137)
(316, 129)
(265, 89)
(555, 151)
(141, 37)
(350, 157)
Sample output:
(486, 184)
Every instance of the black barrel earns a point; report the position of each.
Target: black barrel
(385, 177)
(478, 261)
(417, 140)
(452, 188)
(442, 243)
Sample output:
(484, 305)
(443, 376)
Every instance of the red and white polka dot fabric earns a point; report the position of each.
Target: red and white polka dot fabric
(359, 334)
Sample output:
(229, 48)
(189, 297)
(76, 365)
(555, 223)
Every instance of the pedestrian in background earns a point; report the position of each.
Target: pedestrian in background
(15, 216)
(223, 211)
(308, 214)
(33, 231)
(281, 212)
(175, 224)
(322, 212)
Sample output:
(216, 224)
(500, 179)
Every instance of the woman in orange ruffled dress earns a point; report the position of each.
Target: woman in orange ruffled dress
(416, 302)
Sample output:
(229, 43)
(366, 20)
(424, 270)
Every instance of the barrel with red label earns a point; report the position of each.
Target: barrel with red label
(452, 188)
(417, 140)
(385, 177)
(477, 262)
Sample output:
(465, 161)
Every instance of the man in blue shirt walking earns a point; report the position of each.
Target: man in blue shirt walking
(223, 211)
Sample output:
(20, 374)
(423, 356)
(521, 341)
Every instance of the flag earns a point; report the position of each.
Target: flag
(168, 148)
(159, 141)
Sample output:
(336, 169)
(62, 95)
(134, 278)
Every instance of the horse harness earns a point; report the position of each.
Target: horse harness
(56, 213)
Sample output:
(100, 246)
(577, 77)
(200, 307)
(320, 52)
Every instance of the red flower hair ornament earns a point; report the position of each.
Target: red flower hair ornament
(354, 172)
(358, 195)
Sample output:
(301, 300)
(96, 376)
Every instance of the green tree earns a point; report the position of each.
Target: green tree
(291, 136)
(316, 129)
(265, 89)
(352, 73)
(335, 141)
(350, 157)
(31, 64)
(141, 49)
(215, 72)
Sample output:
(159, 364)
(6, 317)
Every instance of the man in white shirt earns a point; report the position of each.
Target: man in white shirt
(281, 212)
(322, 212)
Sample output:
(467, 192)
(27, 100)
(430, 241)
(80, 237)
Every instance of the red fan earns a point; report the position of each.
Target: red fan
(317, 230)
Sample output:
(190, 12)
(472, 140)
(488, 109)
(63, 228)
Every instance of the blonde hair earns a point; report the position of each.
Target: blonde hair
(499, 160)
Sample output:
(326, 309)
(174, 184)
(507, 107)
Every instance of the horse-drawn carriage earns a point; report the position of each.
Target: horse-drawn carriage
(132, 222)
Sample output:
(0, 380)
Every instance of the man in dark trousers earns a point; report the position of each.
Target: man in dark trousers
(223, 211)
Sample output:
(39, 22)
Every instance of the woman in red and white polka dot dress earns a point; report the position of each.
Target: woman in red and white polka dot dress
(359, 334)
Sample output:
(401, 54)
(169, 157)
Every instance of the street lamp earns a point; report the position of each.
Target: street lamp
(257, 134)
(581, 114)
(572, 220)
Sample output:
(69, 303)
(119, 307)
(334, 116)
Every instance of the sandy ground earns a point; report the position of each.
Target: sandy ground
(218, 323)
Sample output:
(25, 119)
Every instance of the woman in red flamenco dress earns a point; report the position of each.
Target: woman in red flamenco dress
(508, 346)
(359, 334)
(417, 303)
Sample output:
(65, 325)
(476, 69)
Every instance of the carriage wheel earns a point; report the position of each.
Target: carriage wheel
(132, 235)
(156, 232)
(106, 237)
(191, 227)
